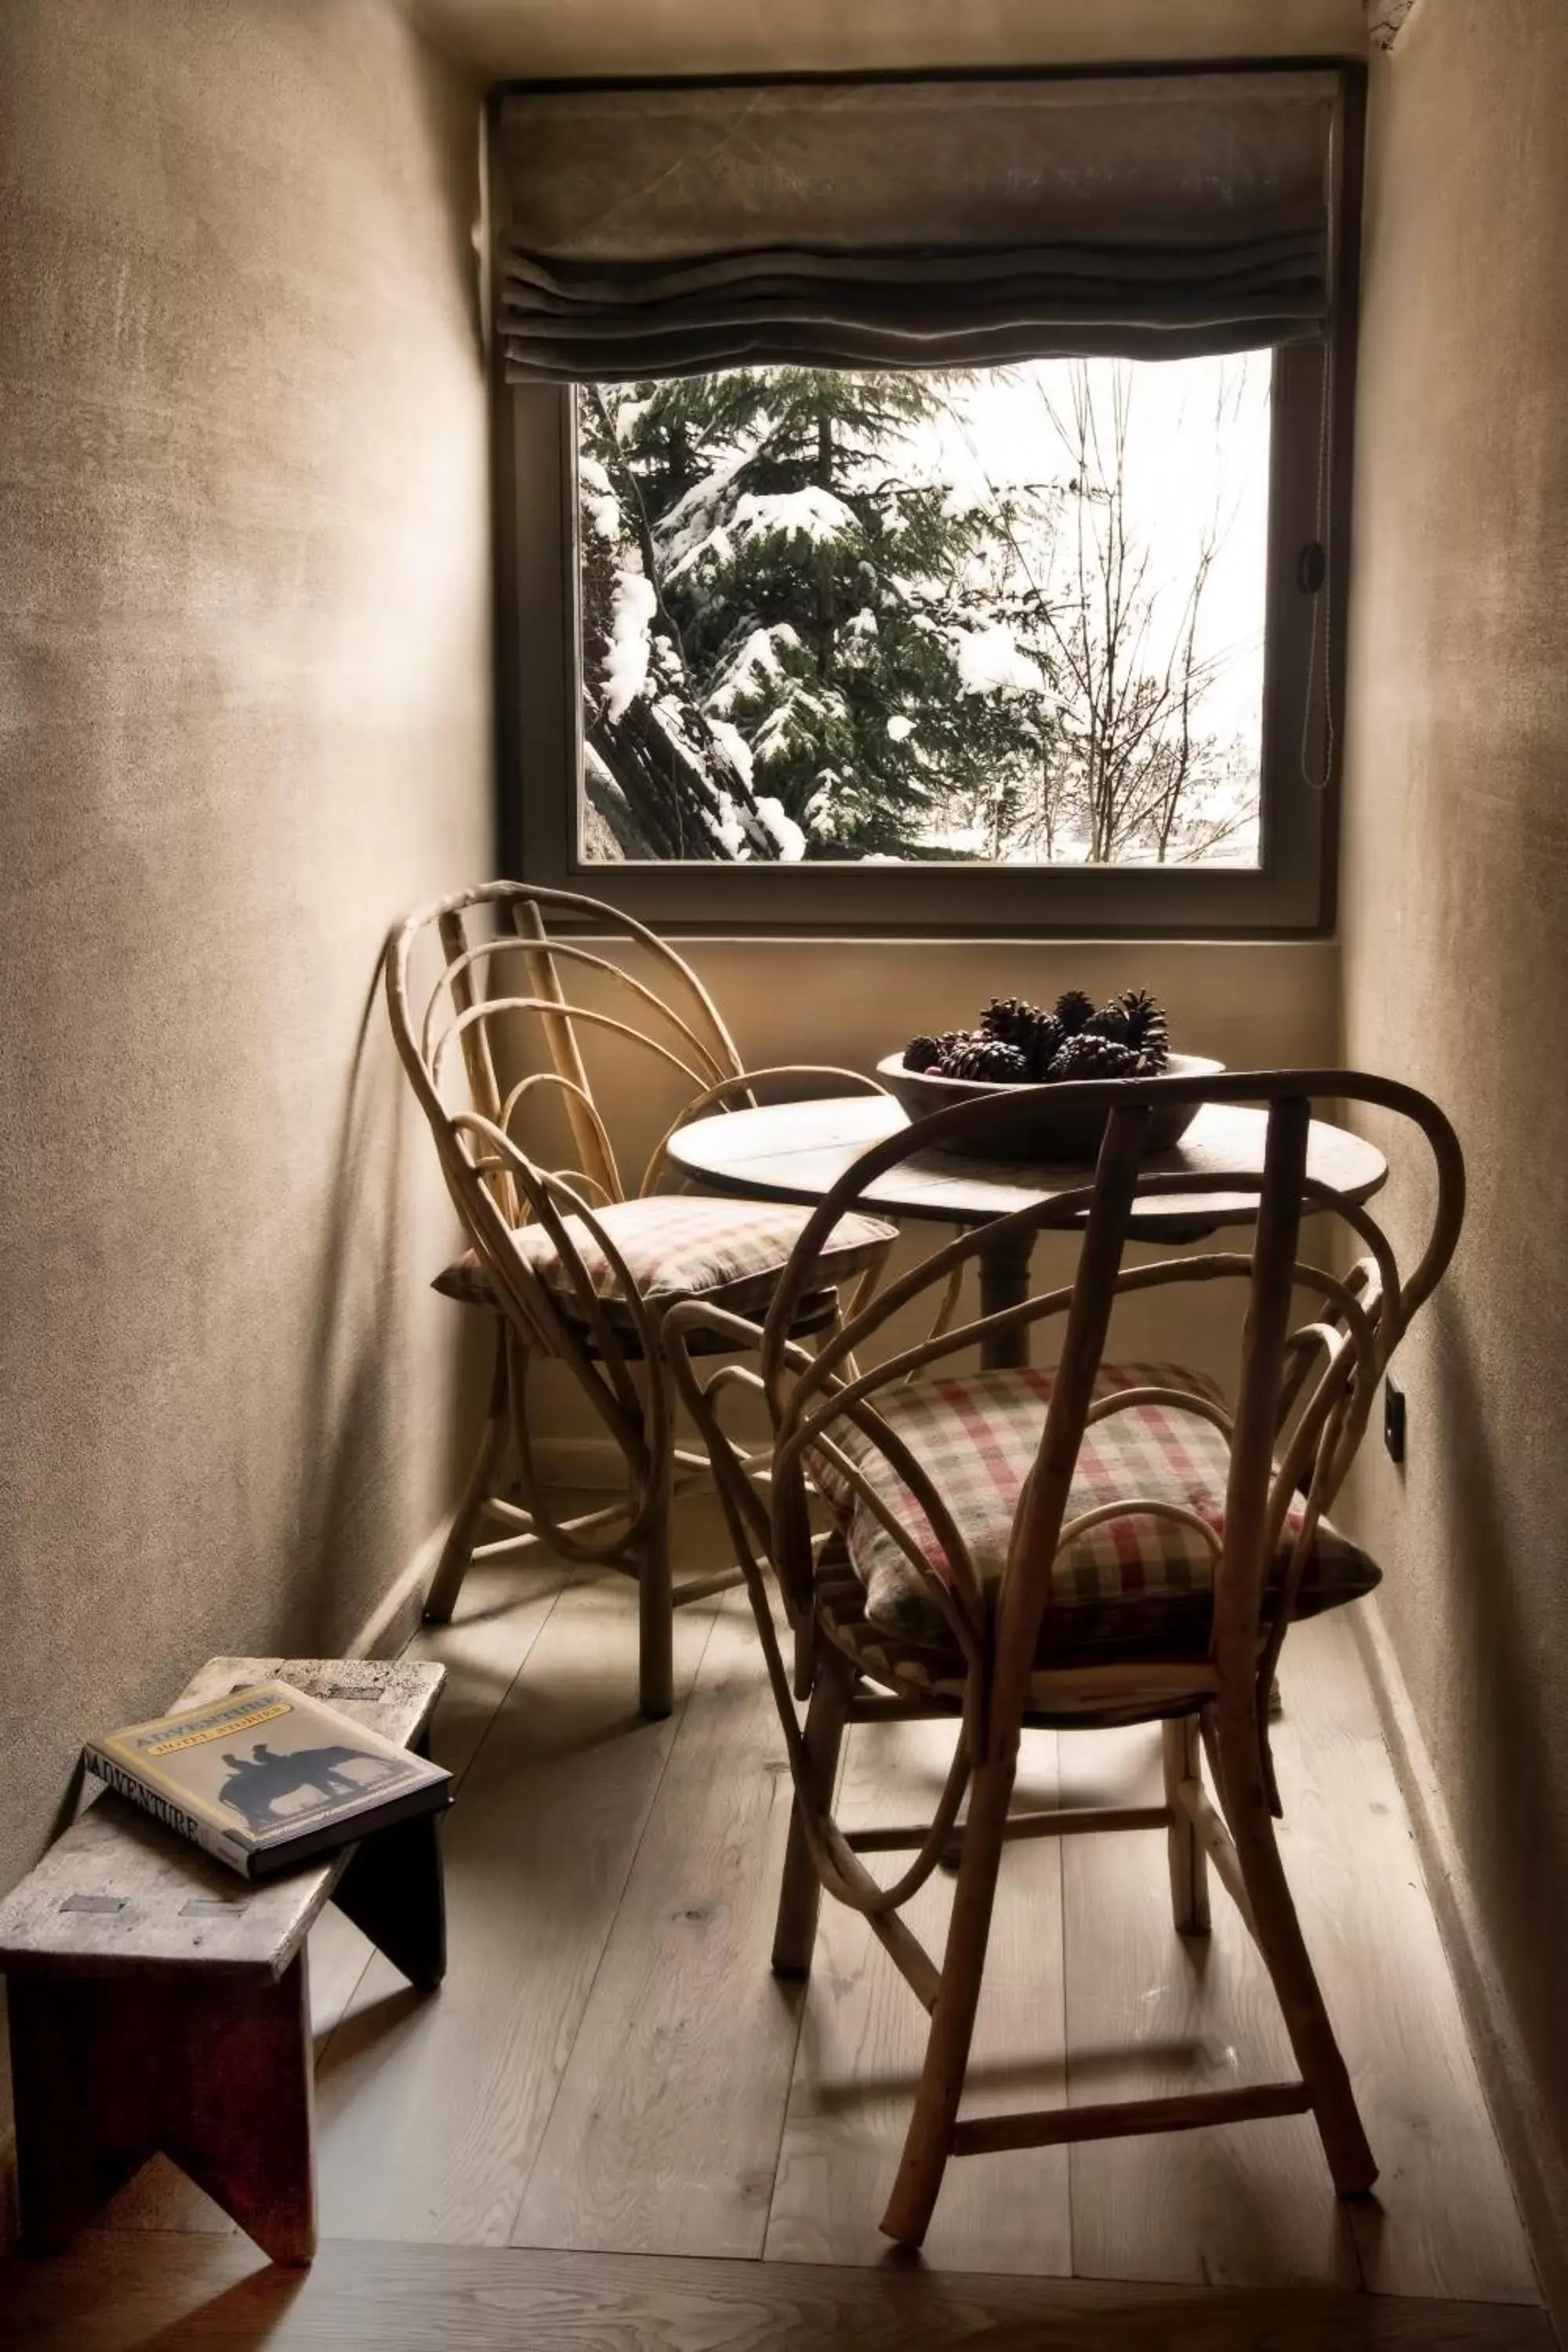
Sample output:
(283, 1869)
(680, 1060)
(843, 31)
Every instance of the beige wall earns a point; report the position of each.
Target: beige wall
(1455, 921)
(244, 722)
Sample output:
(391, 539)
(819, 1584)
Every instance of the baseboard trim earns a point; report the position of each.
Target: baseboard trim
(593, 1463)
(1535, 2156)
(392, 1622)
(10, 2208)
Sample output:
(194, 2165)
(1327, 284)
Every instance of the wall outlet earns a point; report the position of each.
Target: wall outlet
(1393, 1418)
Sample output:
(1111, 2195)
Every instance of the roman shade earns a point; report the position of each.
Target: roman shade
(662, 229)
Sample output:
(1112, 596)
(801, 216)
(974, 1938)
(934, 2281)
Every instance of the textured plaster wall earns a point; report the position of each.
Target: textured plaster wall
(244, 722)
(1454, 920)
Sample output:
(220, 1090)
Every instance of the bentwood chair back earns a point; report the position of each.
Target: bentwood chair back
(1099, 1544)
(493, 1024)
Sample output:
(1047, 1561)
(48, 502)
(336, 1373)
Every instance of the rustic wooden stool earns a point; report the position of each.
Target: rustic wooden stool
(158, 2002)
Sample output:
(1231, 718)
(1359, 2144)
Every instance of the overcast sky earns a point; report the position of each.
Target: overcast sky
(1179, 467)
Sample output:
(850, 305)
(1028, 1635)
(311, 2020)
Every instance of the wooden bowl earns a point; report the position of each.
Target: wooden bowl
(1035, 1128)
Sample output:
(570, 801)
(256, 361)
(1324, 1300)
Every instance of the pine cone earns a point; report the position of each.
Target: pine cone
(1111, 1020)
(949, 1041)
(1146, 1030)
(1016, 1022)
(1089, 1055)
(1011, 1018)
(1045, 1046)
(1073, 1010)
(988, 1057)
(954, 1042)
(922, 1053)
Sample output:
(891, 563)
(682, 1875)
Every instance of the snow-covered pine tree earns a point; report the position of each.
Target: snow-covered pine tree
(829, 622)
(660, 779)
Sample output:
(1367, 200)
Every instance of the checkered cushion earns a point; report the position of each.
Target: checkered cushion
(938, 1676)
(1136, 1579)
(685, 1245)
(467, 1281)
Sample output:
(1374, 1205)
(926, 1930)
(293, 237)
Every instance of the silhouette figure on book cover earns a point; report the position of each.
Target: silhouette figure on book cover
(259, 1783)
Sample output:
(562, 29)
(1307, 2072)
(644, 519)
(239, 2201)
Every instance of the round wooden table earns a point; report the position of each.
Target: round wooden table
(797, 1151)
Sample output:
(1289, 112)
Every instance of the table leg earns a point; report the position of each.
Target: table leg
(1005, 1282)
(393, 1891)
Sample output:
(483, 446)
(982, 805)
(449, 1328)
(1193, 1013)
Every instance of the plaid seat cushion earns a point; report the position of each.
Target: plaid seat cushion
(684, 1246)
(938, 1676)
(1136, 1579)
(467, 1281)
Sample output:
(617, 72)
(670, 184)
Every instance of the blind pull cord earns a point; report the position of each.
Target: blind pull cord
(1313, 578)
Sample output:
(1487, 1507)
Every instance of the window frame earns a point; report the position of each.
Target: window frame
(1291, 893)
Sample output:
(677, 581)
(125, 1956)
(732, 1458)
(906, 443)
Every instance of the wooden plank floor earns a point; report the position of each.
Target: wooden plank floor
(431, 2110)
(665, 2132)
(130, 2292)
(611, 2070)
(1146, 2011)
(611, 2067)
(863, 2035)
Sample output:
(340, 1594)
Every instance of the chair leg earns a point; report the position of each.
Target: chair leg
(1350, 2159)
(453, 1564)
(1182, 1754)
(928, 2141)
(800, 1893)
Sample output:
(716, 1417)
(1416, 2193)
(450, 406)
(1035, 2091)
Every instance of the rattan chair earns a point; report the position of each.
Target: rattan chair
(572, 1265)
(1101, 1544)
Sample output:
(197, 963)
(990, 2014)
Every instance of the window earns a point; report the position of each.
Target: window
(1041, 646)
(1008, 617)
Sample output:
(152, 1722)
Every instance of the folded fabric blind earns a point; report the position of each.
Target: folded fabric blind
(666, 228)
